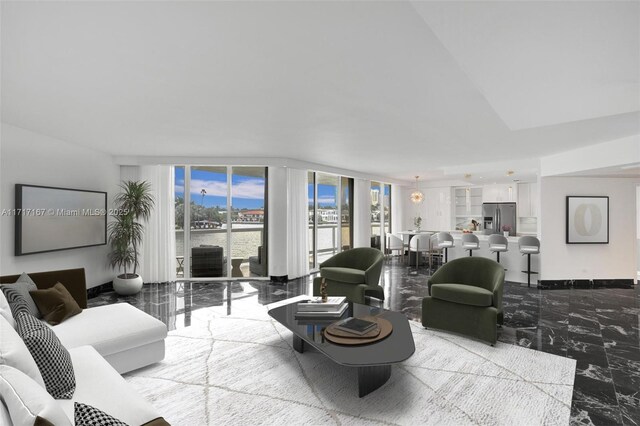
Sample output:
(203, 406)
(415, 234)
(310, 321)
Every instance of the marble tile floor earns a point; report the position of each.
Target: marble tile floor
(599, 328)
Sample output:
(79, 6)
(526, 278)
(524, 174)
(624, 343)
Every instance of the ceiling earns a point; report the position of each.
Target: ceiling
(391, 88)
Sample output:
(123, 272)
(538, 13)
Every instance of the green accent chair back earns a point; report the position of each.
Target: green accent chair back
(352, 273)
(465, 296)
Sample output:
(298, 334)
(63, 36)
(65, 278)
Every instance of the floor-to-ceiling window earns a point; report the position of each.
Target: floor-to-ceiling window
(376, 214)
(248, 230)
(386, 208)
(330, 216)
(220, 221)
(346, 218)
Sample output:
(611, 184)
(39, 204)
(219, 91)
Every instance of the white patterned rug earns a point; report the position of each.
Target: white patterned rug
(241, 370)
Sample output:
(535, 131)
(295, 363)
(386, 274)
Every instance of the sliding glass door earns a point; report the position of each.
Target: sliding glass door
(330, 216)
(220, 221)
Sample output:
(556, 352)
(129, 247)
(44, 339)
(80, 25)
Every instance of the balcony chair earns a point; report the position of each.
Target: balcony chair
(465, 296)
(207, 261)
(352, 273)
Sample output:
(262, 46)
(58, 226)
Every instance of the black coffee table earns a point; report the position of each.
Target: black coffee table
(372, 360)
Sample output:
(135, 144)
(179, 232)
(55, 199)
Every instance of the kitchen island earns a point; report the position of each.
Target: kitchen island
(513, 261)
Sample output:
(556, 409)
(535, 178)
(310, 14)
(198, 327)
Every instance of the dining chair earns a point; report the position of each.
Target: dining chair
(419, 244)
(395, 243)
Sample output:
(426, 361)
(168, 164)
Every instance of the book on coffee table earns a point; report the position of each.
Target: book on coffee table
(316, 304)
(336, 313)
(355, 326)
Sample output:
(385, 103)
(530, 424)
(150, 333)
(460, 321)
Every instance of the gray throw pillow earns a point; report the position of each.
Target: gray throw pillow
(23, 286)
(53, 359)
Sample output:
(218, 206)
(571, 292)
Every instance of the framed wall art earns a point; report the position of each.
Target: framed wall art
(587, 219)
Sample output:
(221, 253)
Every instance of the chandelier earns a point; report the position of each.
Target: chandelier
(417, 196)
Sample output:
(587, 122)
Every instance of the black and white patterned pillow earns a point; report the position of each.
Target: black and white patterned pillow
(86, 415)
(53, 359)
(23, 286)
(17, 302)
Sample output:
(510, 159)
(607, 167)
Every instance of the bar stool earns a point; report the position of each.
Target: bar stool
(445, 241)
(498, 244)
(470, 242)
(528, 246)
(420, 244)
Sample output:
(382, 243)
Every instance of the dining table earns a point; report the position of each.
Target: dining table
(406, 238)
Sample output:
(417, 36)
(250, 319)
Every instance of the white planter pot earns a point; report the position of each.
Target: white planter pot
(505, 233)
(127, 286)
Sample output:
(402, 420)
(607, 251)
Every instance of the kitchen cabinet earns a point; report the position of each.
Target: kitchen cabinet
(468, 206)
(499, 193)
(438, 209)
(528, 199)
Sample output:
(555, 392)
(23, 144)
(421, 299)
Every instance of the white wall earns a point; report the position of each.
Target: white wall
(31, 158)
(587, 261)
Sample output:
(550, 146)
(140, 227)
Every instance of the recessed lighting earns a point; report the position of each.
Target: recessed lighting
(510, 172)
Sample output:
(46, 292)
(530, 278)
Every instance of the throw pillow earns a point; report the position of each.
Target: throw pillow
(86, 415)
(14, 353)
(26, 400)
(53, 359)
(15, 299)
(56, 303)
(23, 286)
(5, 310)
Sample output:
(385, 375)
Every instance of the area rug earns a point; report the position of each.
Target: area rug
(240, 369)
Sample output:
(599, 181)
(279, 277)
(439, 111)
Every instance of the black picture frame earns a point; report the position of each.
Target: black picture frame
(53, 205)
(577, 207)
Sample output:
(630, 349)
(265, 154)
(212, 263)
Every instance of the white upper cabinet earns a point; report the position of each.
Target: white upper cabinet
(527, 199)
(499, 193)
(438, 209)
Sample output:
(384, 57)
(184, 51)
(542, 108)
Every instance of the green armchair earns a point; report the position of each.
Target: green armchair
(352, 273)
(465, 296)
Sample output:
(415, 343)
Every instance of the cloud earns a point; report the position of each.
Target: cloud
(327, 199)
(249, 189)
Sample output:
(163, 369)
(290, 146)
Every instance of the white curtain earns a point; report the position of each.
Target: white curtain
(297, 223)
(397, 208)
(158, 260)
(362, 213)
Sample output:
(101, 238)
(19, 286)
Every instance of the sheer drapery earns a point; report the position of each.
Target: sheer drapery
(297, 223)
(362, 213)
(158, 260)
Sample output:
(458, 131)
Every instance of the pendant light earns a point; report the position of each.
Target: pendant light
(417, 196)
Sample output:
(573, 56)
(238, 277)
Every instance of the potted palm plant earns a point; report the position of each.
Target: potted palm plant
(133, 206)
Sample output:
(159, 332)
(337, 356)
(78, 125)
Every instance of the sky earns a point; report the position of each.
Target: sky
(246, 192)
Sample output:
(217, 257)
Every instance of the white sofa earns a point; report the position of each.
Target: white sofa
(102, 341)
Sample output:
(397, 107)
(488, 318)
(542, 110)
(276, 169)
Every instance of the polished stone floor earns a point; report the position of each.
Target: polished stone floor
(599, 328)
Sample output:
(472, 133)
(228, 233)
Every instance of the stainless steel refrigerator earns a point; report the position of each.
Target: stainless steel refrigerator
(497, 215)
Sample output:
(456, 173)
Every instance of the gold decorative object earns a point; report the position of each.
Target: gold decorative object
(323, 290)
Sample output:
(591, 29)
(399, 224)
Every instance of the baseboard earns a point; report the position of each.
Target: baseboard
(97, 290)
(280, 279)
(585, 284)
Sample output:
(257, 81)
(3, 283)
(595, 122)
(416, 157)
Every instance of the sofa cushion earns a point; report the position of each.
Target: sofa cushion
(110, 329)
(86, 415)
(5, 310)
(345, 275)
(463, 294)
(99, 385)
(23, 286)
(26, 400)
(51, 357)
(14, 353)
(55, 303)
